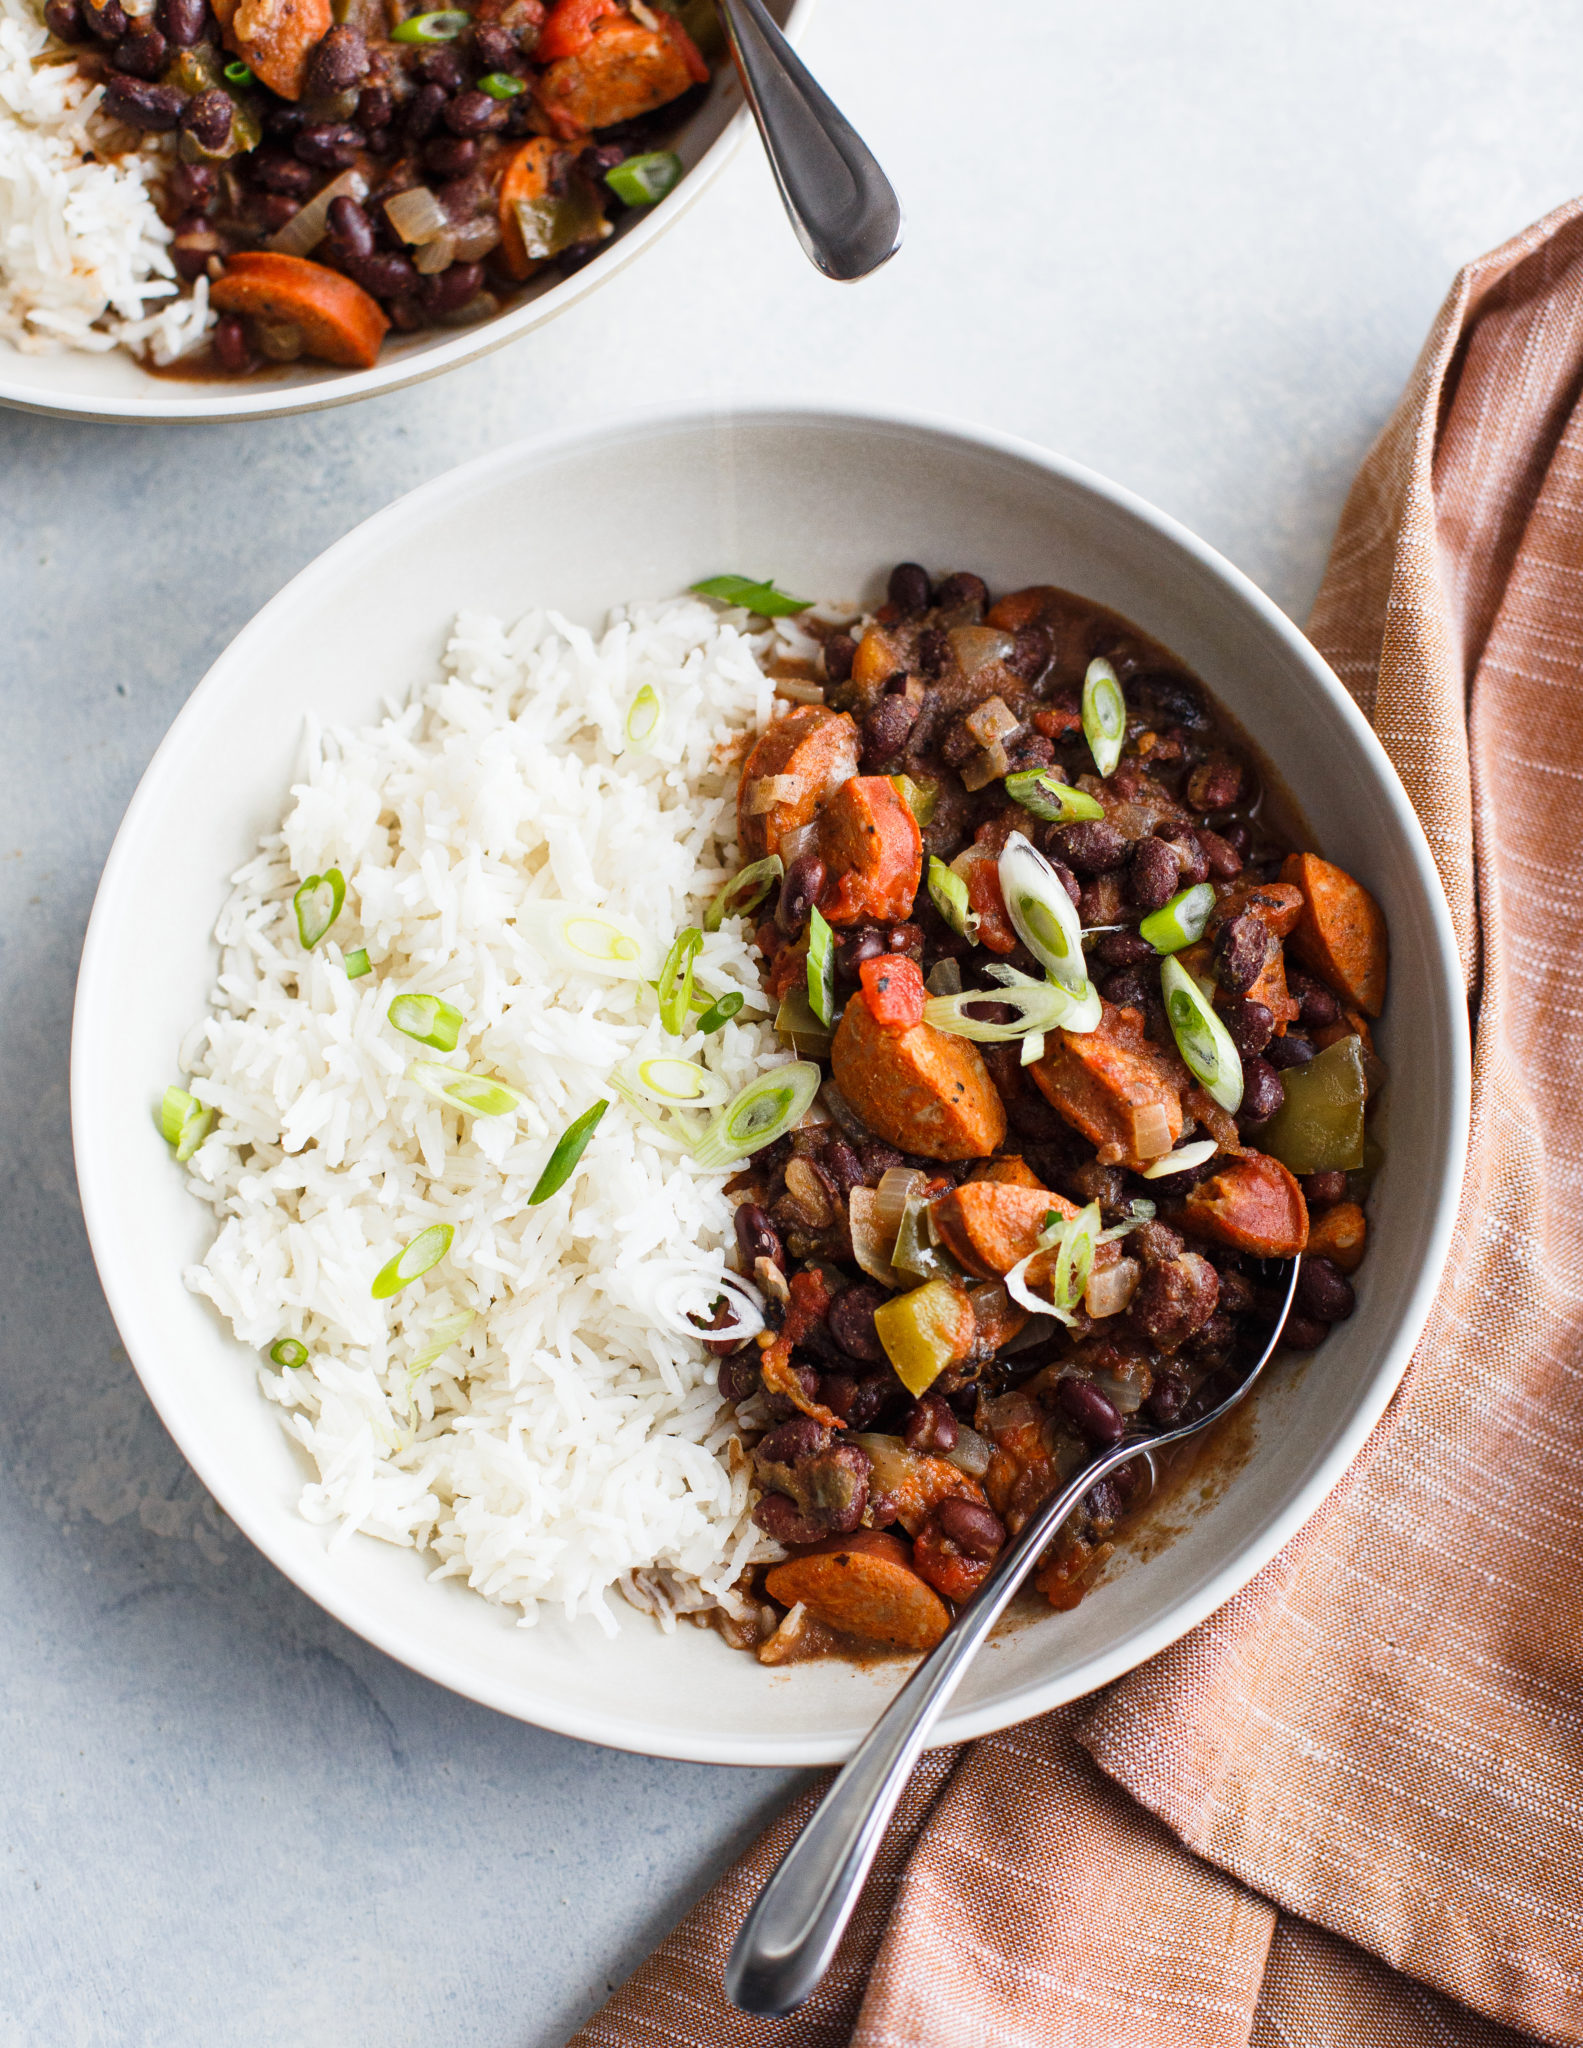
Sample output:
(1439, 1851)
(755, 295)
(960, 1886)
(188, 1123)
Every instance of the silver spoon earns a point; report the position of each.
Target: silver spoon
(841, 204)
(795, 1926)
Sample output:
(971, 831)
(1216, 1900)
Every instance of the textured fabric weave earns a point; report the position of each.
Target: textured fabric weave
(1349, 1808)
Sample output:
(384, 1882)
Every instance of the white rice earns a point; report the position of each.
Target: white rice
(567, 1444)
(84, 255)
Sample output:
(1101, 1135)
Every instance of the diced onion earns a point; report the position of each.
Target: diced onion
(802, 839)
(1044, 915)
(1104, 715)
(767, 1107)
(976, 646)
(987, 767)
(684, 1296)
(871, 1242)
(1183, 1160)
(948, 894)
(993, 719)
(797, 691)
(1110, 1288)
(309, 224)
(436, 255)
(475, 238)
(1201, 1038)
(771, 790)
(416, 215)
(897, 1187)
(970, 1453)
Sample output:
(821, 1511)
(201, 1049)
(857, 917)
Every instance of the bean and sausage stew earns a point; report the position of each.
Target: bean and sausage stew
(338, 173)
(1097, 1052)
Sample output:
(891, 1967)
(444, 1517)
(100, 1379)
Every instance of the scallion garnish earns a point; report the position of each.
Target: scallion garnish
(1182, 1160)
(184, 1122)
(675, 985)
(288, 1352)
(357, 964)
(821, 969)
(413, 1261)
(1076, 1237)
(572, 1146)
(766, 1109)
(502, 85)
(763, 598)
(745, 891)
(238, 74)
(444, 26)
(431, 1020)
(1040, 1005)
(1104, 715)
(677, 1084)
(1201, 1038)
(440, 1339)
(948, 894)
(1032, 1048)
(478, 1094)
(643, 720)
(1038, 791)
(720, 1014)
(318, 904)
(598, 941)
(1180, 922)
(1044, 915)
(642, 180)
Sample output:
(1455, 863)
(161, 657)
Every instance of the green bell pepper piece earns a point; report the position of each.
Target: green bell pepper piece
(1319, 1126)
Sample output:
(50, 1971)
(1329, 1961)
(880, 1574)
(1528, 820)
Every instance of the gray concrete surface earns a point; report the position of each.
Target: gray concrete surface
(1196, 247)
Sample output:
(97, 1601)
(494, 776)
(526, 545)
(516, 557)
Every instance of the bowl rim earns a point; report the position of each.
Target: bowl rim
(218, 403)
(314, 1573)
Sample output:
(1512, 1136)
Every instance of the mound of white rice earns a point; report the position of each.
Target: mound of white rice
(84, 259)
(565, 1443)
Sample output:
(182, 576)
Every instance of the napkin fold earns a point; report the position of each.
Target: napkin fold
(1349, 1807)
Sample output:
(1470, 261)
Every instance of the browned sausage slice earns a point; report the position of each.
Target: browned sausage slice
(339, 321)
(1341, 931)
(864, 1584)
(1114, 1087)
(921, 1090)
(987, 1226)
(1252, 1205)
(873, 853)
(274, 38)
(625, 70)
(815, 748)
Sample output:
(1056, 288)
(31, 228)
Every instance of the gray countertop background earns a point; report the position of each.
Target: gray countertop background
(1195, 247)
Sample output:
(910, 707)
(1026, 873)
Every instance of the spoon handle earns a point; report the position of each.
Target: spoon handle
(841, 204)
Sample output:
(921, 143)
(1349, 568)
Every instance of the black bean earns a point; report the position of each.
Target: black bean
(278, 171)
(1317, 1005)
(1323, 1292)
(332, 144)
(1123, 949)
(1262, 1092)
(350, 227)
(450, 155)
(843, 1166)
(423, 111)
(1225, 863)
(1067, 880)
(282, 122)
(155, 109)
(1094, 1414)
(866, 943)
(963, 592)
(1167, 1398)
(1303, 1333)
(930, 1425)
(194, 187)
(885, 731)
(906, 938)
(1092, 846)
(443, 291)
(1242, 951)
(374, 108)
(1324, 1190)
(934, 650)
(1030, 657)
(207, 118)
(474, 113)
(1249, 1026)
(495, 47)
(878, 1158)
(1129, 988)
(442, 65)
(142, 52)
(799, 892)
(908, 589)
(192, 245)
(757, 1238)
(840, 651)
(339, 62)
(851, 1320)
(182, 21)
(1152, 873)
(1291, 1051)
(387, 277)
(63, 19)
(105, 19)
(229, 342)
(738, 1378)
(971, 1526)
(1237, 1291)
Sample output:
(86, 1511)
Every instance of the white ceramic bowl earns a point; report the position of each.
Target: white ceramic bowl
(113, 388)
(825, 502)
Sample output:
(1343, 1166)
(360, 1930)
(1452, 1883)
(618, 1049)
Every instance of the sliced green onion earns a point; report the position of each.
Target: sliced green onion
(318, 904)
(502, 85)
(441, 1337)
(413, 1261)
(1201, 1038)
(357, 964)
(643, 720)
(1076, 1236)
(1032, 1047)
(796, 1022)
(1182, 1160)
(678, 1084)
(1180, 922)
(442, 27)
(921, 798)
(765, 1110)
(948, 894)
(478, 1094)
(431, 1020)
(675, 985)
(572, 1146)
(1104, 715)
(762, 598)
(1042, 1006)
(1038, 791)
(239, 74)
(1044, 915)
(184, 1122)
(821, 969)
(720, 1014)
(641, 180)
(288, 1352)
(745, 891)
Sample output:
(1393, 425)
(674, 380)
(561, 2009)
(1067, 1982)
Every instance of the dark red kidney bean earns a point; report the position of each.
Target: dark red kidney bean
(207, 118)
(1303, 1333)
(934, 650)
(866, 943)
(790, 1442)
(843, 1166)
(495, 47)
(1063, 874)
(1167, 1398)
(279, 207)
(282, 121)
(105, 19)
(757, 1238)
(1154, 1242)
(387, 277)
(63, 19)
(1029, 750)
(1291, 1051)
(908, 588)
(423, 112)
(799, 892)
(738, 1378)
(857, 1398)
(192, 245)
(182, 21)
(1238, 838)
(142, 52)
(971, 1526)
(229, 342)
(405, 312)
(1324, 1190)
(930, 1425)
(194, 187)
(1225, 863)
(1092, 846)
(1094, 1414)
(1123, 949)
(1316, 1004)
(276, 171)
(878, 1158)
(1324, 1292)
(444, 290)
(339, 61)
(1237, 1292)
(906, 938)
(1216, 785)
(1030, 656)
(374, 108)
(1262, 1092)
(474, 113)
(332, 144)
(1242, 951)
(350, 226)
(1152, 873)
(443, 66)
(1189, 855)
(840, 651)
(450, 155)
(851, 1320)
(963, 592)
(1249, 1026)
(885, 731)
(153, 109)
(1128, 988)
(1103, 1504)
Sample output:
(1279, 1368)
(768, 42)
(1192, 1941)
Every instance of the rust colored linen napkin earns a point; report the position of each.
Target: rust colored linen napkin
(1349, 1808)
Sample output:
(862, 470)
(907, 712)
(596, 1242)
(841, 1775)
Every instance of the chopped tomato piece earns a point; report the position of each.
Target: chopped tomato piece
(893, 990)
